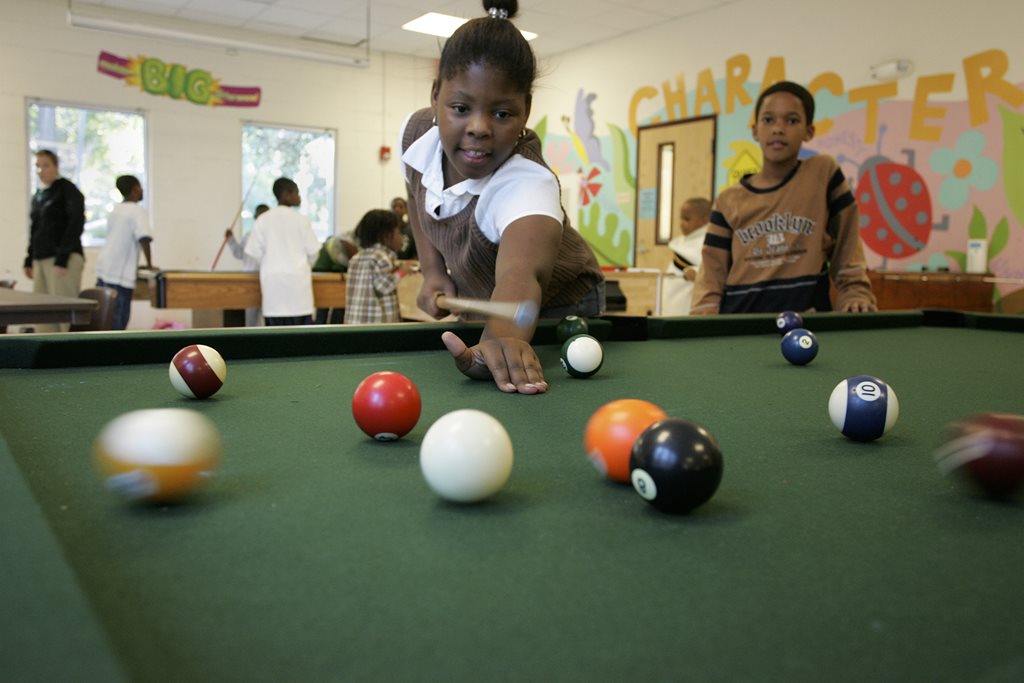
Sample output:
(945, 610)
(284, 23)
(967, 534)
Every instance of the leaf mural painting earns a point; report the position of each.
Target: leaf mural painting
(1013, 161)
(977, 229)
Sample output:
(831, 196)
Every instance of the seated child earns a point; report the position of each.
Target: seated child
(371, 295)
(677, 292)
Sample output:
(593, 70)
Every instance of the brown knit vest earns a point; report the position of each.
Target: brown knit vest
(471, 257)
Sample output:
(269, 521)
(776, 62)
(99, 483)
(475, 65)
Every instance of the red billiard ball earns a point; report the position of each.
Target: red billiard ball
(386, 405)
(676, 465)
(611, 431)
(986, 450)
(197, 371)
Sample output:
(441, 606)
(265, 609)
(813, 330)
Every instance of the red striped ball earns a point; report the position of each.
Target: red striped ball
(198, 371)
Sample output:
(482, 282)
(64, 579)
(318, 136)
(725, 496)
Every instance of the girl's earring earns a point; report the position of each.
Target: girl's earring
(522, 134)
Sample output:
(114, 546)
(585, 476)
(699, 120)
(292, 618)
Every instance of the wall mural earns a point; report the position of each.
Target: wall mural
(176, 81)
(929, 174)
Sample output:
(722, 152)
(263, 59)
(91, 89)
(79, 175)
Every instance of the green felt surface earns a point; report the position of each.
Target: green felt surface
(318, 554)
(50, 631)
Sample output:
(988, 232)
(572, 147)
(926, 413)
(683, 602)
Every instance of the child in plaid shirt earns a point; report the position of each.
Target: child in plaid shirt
(372, 290)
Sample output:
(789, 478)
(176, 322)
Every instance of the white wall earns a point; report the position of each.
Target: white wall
(625, 79)
(813, 36)
(194, 184)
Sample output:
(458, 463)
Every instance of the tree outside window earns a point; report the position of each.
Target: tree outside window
(304, 155)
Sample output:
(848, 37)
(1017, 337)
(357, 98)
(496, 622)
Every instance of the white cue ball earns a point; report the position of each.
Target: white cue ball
(466, 456)
(159, 454)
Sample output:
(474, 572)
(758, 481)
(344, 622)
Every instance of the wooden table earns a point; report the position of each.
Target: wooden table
(960, 291)
(209, 294)
(231, 290)
(640, 286)
(30, 307)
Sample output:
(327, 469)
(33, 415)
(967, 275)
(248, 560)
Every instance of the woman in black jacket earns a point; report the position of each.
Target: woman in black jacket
(55, 259)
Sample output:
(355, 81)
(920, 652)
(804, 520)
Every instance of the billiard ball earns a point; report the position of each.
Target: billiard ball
(197, 371)
(386, 405)
(799, 346)
(986, 450)
(676, 465)
(570, 326)
(788, 320)
(157, 455)
(466, 456)
(863, 407)
(611, 431)
(582, 355)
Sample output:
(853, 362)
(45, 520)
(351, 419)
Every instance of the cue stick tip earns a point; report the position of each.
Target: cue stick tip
(526, 314)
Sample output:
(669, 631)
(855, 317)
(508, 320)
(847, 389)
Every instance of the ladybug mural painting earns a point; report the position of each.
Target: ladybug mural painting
(895, 206)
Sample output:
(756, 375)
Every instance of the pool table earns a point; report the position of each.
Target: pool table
(318, 554)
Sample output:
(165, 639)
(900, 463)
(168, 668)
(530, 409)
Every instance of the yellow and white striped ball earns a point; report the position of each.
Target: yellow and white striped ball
(157, 455)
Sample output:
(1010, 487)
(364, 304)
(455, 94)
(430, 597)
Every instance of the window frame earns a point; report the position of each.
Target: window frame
(88, 242)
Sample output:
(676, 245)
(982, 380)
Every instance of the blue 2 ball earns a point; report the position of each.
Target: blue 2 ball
(788, 320)
(799, 346)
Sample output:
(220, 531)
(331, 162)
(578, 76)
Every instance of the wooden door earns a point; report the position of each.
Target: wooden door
(675, 161)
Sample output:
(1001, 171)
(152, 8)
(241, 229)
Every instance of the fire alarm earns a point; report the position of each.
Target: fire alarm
(385, 152)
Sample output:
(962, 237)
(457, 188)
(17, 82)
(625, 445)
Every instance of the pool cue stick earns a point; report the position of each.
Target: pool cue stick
(522, 313)
(238, 215)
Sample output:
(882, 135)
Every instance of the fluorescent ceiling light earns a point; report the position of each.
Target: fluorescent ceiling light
(444, 25)
(135, 24)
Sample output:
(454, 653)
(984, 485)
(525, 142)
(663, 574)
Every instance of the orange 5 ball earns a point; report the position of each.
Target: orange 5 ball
(611, 431)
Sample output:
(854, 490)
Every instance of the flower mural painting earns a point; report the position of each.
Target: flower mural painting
(588, 188)
(964, 168)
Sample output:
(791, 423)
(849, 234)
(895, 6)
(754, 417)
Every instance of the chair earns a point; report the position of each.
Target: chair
(103, 317)
(1013, 303)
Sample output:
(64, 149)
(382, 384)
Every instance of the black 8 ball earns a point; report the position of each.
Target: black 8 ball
(676, 465)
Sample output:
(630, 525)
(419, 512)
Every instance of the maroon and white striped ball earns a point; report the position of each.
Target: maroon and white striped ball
(198, 371)
(987, 450)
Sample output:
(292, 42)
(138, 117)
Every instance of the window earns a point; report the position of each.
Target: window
(666, 193)
(94, 147)
(304, 155)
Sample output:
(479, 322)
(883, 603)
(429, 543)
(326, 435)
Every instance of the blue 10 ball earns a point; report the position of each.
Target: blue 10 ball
(863, 407)
(799, 346)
